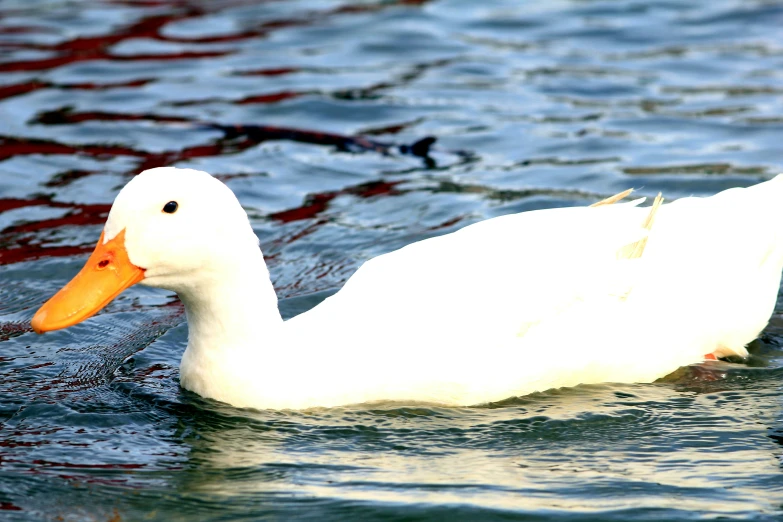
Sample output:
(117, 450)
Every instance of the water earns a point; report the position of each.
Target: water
(534, 104)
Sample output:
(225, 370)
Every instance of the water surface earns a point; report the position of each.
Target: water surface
(534, 105)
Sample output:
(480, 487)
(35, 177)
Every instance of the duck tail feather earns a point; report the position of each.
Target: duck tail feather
(636, 249)
(613, 199)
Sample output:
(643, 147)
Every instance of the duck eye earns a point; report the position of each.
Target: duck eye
(170, 207)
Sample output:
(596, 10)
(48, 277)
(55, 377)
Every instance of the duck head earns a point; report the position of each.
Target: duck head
(169, 228)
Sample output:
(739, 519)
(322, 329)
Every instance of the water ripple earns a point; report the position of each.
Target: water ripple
(319, 116)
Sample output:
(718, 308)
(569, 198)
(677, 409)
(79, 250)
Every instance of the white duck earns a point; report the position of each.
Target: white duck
(504, 307)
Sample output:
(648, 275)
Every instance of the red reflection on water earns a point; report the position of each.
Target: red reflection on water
(250, 135)
(83, 215)
(169, 57)
(388, 129)
(269, 98)
(313, 206)
(317, 203)
(10, 147)
(447, 224)
(20, 245)
(88, 48)
(18, 89)
(29, 252)
(66, 116)
(64, 178)
(280, 71)
(12, 203)
(7, 91)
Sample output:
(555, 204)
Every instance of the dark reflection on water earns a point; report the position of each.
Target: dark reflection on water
(534, 105)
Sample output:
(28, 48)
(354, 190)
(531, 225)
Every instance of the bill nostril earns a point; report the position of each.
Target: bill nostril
(103, 263)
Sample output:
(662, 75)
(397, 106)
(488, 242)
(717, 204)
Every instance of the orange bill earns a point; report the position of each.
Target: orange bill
(107, 273)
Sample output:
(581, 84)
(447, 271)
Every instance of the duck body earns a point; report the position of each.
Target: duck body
(503, 307)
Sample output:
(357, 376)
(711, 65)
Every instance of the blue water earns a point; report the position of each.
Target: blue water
(534, 105)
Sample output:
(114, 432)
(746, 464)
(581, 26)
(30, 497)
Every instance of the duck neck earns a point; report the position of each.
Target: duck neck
(232, 313)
